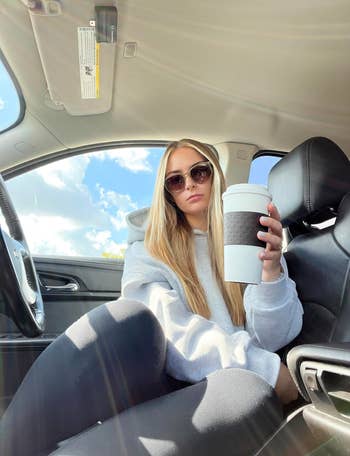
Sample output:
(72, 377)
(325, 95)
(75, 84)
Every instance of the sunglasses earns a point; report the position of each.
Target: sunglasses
(199, 172)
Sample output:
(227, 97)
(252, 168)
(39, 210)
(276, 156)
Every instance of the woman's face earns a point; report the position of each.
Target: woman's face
(193, 199)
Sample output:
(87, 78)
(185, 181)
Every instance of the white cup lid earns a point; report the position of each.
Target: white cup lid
(247, 188)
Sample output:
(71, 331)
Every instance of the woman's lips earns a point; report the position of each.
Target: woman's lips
(194, 197)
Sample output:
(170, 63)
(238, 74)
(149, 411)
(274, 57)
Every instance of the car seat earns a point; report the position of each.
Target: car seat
(310, 185)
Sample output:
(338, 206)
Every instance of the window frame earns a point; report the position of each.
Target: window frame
(270, 153)
(30, 165)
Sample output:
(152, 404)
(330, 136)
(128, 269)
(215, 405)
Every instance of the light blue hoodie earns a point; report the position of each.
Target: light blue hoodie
(197, 346)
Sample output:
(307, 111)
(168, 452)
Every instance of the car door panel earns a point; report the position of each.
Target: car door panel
(97, 281)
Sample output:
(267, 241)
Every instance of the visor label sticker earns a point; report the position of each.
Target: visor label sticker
(89, 63)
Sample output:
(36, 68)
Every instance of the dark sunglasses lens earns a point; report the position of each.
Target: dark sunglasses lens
(200, 173)
(175, 183)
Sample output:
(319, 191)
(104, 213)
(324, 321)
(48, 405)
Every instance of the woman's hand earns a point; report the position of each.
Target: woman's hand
(285, 387)
(271, 256)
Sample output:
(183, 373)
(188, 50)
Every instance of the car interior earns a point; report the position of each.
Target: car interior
(82, 368)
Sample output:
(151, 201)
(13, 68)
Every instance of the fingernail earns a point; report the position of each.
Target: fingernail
(262, 233)
(263, 219)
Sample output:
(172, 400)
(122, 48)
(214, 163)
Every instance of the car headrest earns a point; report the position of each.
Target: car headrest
(310, 180)
(342, 224)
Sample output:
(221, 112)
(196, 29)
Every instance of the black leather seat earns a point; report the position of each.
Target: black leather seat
(310, 185)
(105, 379)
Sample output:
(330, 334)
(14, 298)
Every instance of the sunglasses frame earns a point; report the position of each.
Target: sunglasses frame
(188, 173)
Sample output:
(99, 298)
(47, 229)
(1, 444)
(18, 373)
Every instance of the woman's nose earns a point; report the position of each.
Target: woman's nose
(189, 182)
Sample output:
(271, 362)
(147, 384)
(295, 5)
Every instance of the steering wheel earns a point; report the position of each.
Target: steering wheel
(18, 278)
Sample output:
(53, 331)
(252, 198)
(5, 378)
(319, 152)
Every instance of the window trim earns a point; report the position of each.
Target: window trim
(22, 103)
(30, 165)
(269, 153)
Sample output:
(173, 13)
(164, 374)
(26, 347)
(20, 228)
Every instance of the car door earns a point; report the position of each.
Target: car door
(72, 211)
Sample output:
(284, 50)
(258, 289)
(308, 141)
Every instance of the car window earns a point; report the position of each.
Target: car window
(10, 107)
(77, 206)
(260, 168)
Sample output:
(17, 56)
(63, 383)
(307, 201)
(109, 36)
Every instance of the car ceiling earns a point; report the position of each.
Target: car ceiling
(268, 73)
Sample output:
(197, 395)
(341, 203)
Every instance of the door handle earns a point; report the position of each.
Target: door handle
(71, 287)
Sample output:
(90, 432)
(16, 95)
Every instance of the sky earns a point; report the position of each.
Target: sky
(77, 206)
(9, 102)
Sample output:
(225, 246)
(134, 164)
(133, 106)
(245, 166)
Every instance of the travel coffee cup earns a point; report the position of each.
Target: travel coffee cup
(243, 205)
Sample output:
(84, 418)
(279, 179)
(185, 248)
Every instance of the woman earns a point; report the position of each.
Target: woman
(174, 265)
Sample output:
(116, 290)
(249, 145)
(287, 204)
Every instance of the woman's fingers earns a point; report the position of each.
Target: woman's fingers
(273, 242)
(272, 224)
(273, 238)
(273, 211)
(270, 255)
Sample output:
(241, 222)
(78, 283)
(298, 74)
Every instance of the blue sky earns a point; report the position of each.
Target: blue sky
(9, 102)
(78, 206)
(114, 177)
(260, 168)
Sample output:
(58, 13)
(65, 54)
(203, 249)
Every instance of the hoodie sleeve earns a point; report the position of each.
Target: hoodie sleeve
(197, 347)
(273, 311)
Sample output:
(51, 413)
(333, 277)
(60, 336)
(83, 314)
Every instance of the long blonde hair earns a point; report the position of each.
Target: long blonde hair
(169, 237)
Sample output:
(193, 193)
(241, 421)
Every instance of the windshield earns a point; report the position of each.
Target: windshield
(10, 106)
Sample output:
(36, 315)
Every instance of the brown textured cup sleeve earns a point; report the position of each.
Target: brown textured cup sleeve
(241, 228)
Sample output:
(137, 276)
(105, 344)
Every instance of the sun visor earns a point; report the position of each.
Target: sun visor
(77, 43)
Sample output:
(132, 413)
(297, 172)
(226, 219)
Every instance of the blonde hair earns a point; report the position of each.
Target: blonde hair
(169, 237)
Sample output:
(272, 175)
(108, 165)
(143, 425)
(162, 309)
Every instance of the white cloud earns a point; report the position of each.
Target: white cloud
(98, 239)
(63, 216)
(54, 235)
(132, 158)
(118, 204)
(50, 234)
(116, 249)
(110, 198)
(102, 242)
(65, 173)
(58, 191)
(119, 221)
(2, 104)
